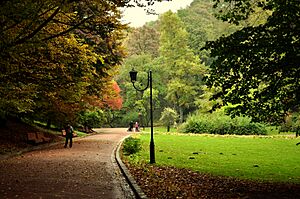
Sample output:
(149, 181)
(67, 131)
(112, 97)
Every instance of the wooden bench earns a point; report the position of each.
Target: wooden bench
(40, 136)
(36, 138)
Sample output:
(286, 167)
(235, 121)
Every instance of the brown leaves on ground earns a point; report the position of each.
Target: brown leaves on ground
(170, 182)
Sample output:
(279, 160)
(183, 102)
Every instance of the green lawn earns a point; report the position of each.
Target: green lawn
(271, 158)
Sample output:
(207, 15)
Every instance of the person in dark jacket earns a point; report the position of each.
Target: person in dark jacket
(130, 126)
(69, 135)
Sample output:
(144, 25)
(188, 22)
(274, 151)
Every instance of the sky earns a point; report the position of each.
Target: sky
(137, 16)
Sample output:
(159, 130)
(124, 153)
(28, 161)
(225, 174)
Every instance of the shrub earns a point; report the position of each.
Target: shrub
(219, 123)
(130, 116)
(92, 118)
(131, 146)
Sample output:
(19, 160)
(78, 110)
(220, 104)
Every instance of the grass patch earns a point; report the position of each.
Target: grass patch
(80, 134)
(266, 158)
(159, 129)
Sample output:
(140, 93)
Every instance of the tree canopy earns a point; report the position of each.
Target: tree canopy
(177, 71)
(257, 67)
(56, 54)
(184, 76)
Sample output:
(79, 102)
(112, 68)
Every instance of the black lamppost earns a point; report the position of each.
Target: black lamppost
(133, 76)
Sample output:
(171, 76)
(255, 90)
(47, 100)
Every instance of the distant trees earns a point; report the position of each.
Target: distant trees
(59, 58)
(184, 71)
(252, 59)
(202, 25)
(177, 71)
(143, 40)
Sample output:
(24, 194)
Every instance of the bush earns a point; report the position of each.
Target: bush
(131, 146)
(92, 118)
(219, 123)
(130, 116)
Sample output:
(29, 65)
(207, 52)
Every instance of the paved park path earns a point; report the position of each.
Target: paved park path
(87, 170)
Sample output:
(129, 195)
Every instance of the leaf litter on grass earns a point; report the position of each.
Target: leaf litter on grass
(170, 182)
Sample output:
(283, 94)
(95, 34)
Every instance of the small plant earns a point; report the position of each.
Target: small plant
(93, 118)
(131, 146)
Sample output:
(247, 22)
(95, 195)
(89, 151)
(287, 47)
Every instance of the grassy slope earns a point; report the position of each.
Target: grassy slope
(13, 136)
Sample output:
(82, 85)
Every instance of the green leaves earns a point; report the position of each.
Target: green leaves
(258, 67)
(144, 40)
(185, 74)
(54, 54)
(169, 117)
(234, 10)
(219, 123)
(131, 146)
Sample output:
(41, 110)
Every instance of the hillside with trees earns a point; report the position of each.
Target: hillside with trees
(216, 54)
(59, 59)
(171, 48)
(64, 60)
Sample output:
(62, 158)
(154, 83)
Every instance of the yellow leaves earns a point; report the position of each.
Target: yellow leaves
(72, 54)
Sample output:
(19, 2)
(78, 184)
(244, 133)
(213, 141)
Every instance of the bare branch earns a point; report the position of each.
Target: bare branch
(39, 28)
(68, 30)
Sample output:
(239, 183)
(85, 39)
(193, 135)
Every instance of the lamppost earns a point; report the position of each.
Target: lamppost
(133, 77)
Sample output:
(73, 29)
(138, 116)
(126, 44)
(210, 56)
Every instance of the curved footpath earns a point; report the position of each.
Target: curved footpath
(88, 170)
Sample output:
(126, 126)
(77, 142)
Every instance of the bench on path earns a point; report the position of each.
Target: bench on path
(36, 138)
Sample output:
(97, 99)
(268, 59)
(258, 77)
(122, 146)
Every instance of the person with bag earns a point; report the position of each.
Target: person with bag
(69, 135)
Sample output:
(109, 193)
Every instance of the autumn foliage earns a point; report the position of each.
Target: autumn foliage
(113, 99)
(59, 57)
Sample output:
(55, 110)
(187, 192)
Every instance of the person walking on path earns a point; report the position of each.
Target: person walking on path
(69, 135)
(137, 127)
(130, 129)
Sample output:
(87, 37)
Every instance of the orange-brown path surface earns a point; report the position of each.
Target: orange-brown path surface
(87, 170)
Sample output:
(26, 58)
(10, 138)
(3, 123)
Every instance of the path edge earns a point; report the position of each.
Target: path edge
(130, 180)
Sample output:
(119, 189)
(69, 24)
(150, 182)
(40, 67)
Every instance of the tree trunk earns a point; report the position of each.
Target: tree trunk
(48, 124)
(181, 115)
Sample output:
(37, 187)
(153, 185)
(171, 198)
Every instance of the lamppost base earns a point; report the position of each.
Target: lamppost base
(152, 153)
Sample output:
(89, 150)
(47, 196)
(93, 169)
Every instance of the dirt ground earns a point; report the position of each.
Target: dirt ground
(86, 170)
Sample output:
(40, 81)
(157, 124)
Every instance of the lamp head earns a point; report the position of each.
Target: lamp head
(133, 75)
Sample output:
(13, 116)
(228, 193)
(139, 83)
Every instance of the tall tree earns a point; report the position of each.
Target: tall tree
(143, 40)
(182, 68)
(135, 101)
(258, 67)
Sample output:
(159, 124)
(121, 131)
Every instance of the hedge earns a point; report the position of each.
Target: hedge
(219, 123)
